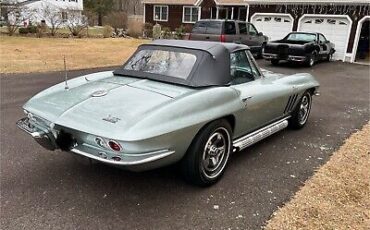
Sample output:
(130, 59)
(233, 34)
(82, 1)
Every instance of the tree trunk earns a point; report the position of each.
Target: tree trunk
(100, 19)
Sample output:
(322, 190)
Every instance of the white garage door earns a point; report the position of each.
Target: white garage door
(335, 29)
(275, 26)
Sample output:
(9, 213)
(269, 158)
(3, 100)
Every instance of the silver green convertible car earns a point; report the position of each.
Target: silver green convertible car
(186, 102)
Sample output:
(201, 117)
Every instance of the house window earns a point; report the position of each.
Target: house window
(190, 14)
(160, 13)
(64, 16)
(331, 21)
(319, 21)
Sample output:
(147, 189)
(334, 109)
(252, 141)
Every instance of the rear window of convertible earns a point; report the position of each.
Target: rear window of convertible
(168, 63)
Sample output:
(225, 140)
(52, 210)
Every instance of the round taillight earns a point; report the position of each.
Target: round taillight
(115, 146)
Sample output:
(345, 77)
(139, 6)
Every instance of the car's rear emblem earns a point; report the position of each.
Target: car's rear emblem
(111, 119)
(99, 93)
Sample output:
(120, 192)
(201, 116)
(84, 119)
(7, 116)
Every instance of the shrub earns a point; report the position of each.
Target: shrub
(157, 31)
(166, 33)
(77, 30)
(41, 29)
(135, 28)
(107, 31)
(32, 29)
(23, 31)
(179, 32)
(148, 30)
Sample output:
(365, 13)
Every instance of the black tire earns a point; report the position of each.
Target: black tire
(260, 53)
(312, 59)
(195, 167)
(301, 112)
(275, 61)
(329, 57)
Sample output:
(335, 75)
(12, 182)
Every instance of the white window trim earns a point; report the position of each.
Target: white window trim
(191, 12)
(246, 12)
(357, 37)
(160, 20)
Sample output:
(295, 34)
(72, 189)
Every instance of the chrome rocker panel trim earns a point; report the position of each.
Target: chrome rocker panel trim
(260, 134)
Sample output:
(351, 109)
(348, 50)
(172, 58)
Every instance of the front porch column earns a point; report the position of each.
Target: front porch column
(232, 13)
(217, 12)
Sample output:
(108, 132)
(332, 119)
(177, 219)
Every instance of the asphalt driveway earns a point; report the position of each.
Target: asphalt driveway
(51, 190)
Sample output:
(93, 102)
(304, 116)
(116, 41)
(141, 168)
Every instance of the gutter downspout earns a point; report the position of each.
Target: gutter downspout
(144, 17)
(247, 16)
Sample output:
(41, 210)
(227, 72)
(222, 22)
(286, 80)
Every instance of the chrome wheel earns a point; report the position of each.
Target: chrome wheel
(304, 109)
(216, 153)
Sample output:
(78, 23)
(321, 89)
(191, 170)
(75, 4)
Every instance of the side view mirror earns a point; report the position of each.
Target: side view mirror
(327, 41)
(260, 34)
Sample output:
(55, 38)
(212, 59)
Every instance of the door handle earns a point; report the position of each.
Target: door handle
(207, 37)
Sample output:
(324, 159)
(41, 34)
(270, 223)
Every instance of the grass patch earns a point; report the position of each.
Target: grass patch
(25, 55)
(337, 196)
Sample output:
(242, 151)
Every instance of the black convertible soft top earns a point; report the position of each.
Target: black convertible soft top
(212, 67)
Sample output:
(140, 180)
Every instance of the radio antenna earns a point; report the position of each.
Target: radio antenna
(66, 87)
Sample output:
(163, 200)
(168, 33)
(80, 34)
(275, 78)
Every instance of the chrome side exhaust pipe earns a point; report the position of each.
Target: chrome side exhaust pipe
(258, 135)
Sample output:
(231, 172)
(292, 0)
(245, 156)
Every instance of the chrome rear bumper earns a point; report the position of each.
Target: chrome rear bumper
(124, 159)
(46, 139)
(41, 135)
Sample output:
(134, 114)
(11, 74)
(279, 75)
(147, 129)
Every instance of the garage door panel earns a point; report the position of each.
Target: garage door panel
(274, 26)
(335, 30)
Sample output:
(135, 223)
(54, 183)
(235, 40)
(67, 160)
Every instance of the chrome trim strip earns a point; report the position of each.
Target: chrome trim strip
(269, 55)
(24, 122)
(293, 56)
(260, 134)
(296, 58)
(158, 155)
(287, 105)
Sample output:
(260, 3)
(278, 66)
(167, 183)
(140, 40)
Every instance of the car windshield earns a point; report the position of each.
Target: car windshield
(168, 63)
(301, 37)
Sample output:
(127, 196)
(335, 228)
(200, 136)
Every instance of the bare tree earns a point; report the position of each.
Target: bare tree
(17, 16)
(117, 20)
(136, 6)
(129, 7)
(76, 22)
(52, 17)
